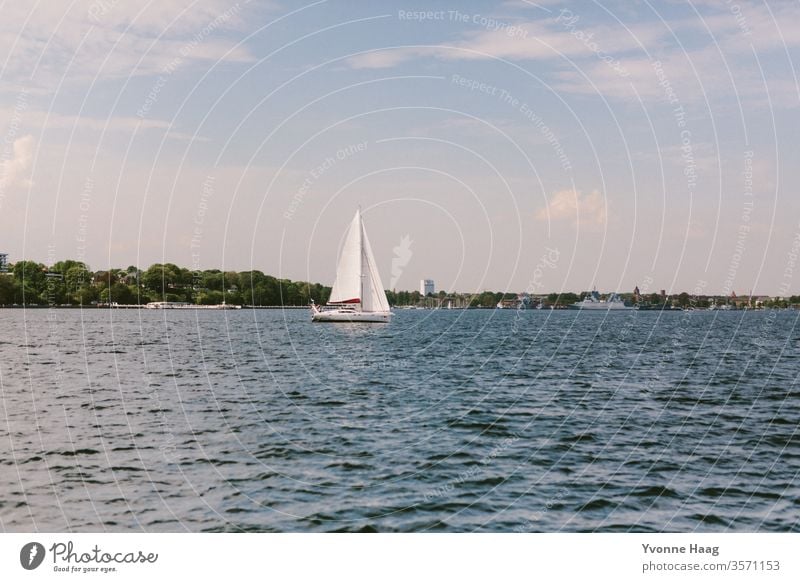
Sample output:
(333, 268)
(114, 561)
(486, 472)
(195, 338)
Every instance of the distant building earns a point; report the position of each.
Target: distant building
(758, 301)
(426, 287)
(3, 262)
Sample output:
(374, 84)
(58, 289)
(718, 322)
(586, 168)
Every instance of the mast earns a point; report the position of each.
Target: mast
(360, 259)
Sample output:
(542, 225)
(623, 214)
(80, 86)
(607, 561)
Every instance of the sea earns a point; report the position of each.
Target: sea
(443, 420)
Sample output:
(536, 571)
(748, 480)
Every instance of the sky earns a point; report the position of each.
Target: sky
(511, 146)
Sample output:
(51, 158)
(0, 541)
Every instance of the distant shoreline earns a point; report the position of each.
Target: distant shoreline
(72, 284)
(144, 307)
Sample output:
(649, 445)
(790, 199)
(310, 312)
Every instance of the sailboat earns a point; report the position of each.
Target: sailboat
(357, 294)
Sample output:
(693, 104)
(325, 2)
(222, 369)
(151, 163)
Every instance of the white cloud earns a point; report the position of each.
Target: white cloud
(37, 120)
(384, 58)
(14, 171)
(575, 207)
(724, 49)
(556, 39)
(542, 39)
(743, 26)
(530, 4)
(89, 39)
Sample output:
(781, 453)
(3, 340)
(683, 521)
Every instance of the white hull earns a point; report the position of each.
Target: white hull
(175, 305)
(349, 316)
(594, 303)
(602, 306)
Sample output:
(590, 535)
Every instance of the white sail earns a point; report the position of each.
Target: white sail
(347, 287)
(373, 296)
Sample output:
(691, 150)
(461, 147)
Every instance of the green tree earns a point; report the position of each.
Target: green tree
(105, 278)
(123, 294)
(29, 272)
(212, 280)
(30, 276)
(8, 289)
(86, 295)
(76, 277)
(163, 279)
(289, 293)
(210, 298)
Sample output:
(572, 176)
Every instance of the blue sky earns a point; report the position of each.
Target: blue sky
(649, 143)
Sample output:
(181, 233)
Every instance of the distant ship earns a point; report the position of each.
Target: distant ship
(357, 294)
(182, 305)
(593, 302)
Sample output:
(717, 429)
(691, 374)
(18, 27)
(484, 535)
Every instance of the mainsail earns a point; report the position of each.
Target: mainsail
(347, 287)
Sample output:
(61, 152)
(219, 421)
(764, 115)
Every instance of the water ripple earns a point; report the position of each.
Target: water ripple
(442, 421)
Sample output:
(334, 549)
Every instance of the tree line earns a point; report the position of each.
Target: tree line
(74, 283)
